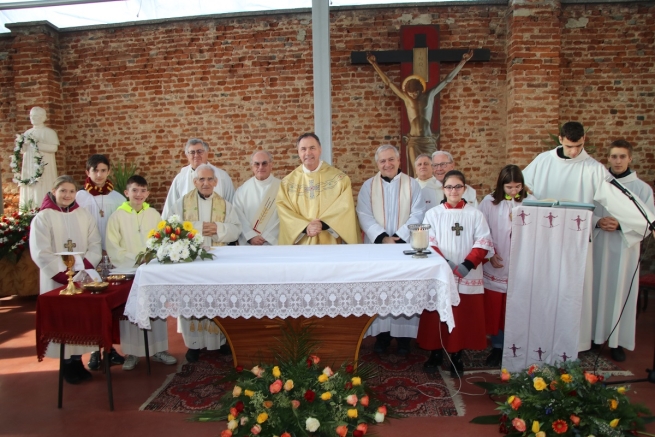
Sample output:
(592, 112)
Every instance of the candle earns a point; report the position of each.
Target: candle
(420, 239)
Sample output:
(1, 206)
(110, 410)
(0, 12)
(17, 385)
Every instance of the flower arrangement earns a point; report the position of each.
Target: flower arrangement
(15, 232)
(173, 241)
(16, 163)
(298, 396)
(562, 400)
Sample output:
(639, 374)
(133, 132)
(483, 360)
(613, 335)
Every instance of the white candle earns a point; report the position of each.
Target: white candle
(420, 239)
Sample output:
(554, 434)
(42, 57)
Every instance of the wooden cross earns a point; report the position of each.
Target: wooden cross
(457, 228)
(70, 245)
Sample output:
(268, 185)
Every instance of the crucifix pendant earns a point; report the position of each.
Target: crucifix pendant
(102, 213)
(70, 245)
(457, 228)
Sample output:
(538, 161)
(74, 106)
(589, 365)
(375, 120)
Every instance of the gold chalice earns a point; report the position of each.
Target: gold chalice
(69, 261)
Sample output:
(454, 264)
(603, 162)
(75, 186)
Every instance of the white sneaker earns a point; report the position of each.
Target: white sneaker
(164, 357)
(130, 362)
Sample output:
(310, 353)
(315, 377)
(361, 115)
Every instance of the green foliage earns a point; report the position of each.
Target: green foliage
(121, 172)
(563, 400)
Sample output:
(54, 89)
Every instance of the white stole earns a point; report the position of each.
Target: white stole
(404, 199)
(265, 210)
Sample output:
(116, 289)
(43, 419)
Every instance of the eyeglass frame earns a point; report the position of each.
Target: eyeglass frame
(454, 187)
(198, 152)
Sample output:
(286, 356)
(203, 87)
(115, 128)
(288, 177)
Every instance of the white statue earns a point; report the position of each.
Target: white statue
(48, 143)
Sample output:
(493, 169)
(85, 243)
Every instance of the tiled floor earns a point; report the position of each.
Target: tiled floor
(28, 391)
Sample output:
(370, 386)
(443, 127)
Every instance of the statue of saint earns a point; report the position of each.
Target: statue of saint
(48, 143)
(419, 103)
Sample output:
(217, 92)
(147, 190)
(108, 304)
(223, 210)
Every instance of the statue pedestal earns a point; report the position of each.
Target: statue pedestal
(19, 278)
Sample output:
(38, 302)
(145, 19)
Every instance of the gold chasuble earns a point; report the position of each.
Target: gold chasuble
(326, 195)
(192, 214)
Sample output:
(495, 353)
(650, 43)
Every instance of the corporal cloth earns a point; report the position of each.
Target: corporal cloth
(183, 183)
(107, 203)
(616, 260)
(545, 293)
(127, 232)
(255, 205)
(389, 207)
(323, 194)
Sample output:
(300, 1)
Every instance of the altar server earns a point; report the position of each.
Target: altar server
(197, 153)
(127, 231)
(98, 196)
(497, 210)
(387, 203)
(615, 265)
(62, 226)
(459, 232)
(219, 223)
(569, 173)
(255, 203)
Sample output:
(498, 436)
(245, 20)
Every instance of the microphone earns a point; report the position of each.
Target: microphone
(612, 180)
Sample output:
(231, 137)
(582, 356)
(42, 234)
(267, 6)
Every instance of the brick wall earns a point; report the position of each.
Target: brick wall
(136, 93)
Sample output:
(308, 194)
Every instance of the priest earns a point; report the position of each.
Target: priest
(197, 153)
(427, 181)
(569, 173)
(442, 163)
(387, 203)
(254, 202)
(315, 201)
(219, 223)
(616, 266)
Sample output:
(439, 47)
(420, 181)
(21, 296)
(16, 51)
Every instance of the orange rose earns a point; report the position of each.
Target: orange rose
(505, 375)
(226, 433)
(532, 369)
(575, 419)
(173, 237)
(519, 424)
(553, 385)
(364, 400)
(285, 434)
(268, 404)
(276, 386)
(295, 404)
(591, 378)
(342, 430)
(362, 427)
(168, 229)
(515, 402)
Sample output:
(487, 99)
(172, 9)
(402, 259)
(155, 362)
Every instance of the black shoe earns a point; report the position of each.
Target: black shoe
(192, 355)
(435, 360)
(225, 349)
(457, 367)
(70, 375)
(80, 371)
(617, 354)
(382, 341)
(403, 346)
(115, 358)
(495, 357)
(595, 346)
(94, 361)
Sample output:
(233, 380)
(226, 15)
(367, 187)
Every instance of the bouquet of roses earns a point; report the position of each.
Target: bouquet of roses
(564, 400)
(173, 241)
(15, 232)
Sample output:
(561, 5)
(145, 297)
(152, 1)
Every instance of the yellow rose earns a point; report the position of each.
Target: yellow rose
(151, 233)
(161, 225)
(510, 399)
(288, 385)
(326, 396)
(249, 393)
(613, 404)
(323, 378)
(539, 383)
(187, 226)
(263, 417)
(566, 378)
(620, 390)
(535, 427)
(276, 372)
(540, 434)
(357, 380)
(236, 391)
(352, 413)
(230, 417)
(614, 423)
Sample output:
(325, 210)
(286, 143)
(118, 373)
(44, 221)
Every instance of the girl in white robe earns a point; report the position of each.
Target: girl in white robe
(60, 222)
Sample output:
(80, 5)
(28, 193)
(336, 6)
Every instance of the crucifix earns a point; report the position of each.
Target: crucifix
(70, 245)
(419, 68)
(457, 228)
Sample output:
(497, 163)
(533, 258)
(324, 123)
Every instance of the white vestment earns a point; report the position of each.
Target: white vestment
(50, 231)
(127, 233)
(183, 183)
(456, 232)
(615, 266)
(499, 219)
(429, 188)
(248, 200)
(580, 179)
(400, 326)
(107, 203)
(48, 142)
(469, 194)
(204, 333)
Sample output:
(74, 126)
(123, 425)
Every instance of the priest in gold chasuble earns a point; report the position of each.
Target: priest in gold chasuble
(315, 202)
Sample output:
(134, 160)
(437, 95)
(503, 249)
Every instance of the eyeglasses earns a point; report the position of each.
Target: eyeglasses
(453, 187)
(260, 164)
(196, 152)
(441, 164)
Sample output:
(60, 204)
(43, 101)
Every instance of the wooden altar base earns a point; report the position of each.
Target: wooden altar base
(251, 339)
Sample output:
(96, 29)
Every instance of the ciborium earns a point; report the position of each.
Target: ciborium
(419, 239)
(69, 262)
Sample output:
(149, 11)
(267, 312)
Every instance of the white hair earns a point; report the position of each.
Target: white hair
(193, 142)
(204, 167)
(443, 152)
(270, 157)
(384, 147)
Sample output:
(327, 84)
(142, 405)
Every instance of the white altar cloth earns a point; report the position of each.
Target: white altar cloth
(294, 281)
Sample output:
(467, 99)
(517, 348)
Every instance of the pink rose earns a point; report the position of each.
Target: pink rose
(364, 401)
(327, 371)
(519, 424)
(256, 429)
(382, 409)
(276, 386)
(295, 404)
(315, 359)
(351, 400)
(257, 371)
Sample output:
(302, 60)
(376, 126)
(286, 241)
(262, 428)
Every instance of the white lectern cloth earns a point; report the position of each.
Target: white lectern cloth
(546, 277)
(293, 281)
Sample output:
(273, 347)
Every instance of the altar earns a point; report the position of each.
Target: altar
(249, 292)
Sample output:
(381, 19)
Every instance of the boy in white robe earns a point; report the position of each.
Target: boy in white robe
(127, 231)
(255, 204)
(387, 203)
(615, 263)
